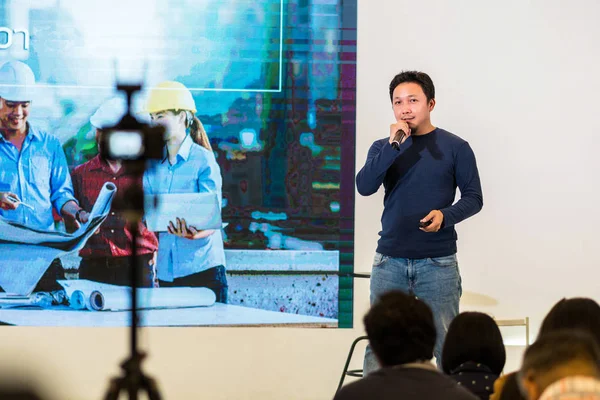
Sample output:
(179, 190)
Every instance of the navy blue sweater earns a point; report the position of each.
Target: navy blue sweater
(419, 177)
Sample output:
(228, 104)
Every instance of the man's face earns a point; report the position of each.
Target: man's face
(410, 104)
(13, 115)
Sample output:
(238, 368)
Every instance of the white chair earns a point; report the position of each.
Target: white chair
(516, 322)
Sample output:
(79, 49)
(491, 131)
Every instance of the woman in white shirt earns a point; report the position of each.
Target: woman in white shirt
(186, 256)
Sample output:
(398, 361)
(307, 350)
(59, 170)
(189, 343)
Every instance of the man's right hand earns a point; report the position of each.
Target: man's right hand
(400, 125)
(6, 203)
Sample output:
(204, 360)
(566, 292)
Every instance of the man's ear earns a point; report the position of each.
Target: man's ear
(431, 105)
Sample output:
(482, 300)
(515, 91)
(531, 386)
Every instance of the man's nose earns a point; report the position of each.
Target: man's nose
(18, 109)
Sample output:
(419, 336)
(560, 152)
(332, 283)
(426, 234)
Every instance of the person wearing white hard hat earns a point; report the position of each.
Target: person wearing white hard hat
(34, 175)
(186, 256)
(106, 255)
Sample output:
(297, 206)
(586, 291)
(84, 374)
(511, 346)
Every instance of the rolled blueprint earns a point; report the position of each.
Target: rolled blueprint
(104, 200)
(151, 298)
(78, 300)
(110, 300)
(96, 296)
(176, 297)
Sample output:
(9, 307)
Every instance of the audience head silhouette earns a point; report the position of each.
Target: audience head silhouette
(575, 313)
(473, 353)
(401, 330)
(557, 357)
(475, 337)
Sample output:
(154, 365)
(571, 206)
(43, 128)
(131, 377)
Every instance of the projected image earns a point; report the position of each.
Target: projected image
(249, 213)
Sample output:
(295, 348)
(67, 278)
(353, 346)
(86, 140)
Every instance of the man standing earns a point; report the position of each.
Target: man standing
(34, 176)
(420, 167)
(106, 255)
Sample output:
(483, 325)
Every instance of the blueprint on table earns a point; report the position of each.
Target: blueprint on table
(26, 253)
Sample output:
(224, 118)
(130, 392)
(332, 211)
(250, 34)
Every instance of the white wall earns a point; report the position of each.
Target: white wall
(517, 79)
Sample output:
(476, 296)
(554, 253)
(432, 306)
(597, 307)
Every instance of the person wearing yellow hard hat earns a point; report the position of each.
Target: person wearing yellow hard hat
(186, 256)
(178, 99)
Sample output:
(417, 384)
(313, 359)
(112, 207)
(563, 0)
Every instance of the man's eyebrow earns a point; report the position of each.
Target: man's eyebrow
(410, 95)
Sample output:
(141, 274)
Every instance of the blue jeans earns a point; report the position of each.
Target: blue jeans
(436, 281)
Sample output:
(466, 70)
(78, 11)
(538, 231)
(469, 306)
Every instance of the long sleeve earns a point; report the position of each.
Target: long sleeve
(146, 183)
(380, 157)
(61, 187)
(467, 180)
(76, 181)
(209, 177)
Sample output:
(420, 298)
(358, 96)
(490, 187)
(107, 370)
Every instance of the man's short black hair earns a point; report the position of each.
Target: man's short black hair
(420, 78)
(400, 328)
(560, 347)
(473, 336)
(575, 313)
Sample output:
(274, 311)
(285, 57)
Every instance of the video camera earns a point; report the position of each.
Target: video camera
(131, 139)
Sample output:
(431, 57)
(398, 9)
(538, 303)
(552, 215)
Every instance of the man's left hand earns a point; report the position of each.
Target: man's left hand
(436, 217)
(84, 216)
(72, 223)
(72, 220)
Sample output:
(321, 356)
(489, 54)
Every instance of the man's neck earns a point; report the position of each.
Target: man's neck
(417, 364)
(115, 165)
(15, 136)
(426, 129)
(10, 134)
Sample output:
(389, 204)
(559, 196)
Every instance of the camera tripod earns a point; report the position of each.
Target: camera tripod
(133, 379)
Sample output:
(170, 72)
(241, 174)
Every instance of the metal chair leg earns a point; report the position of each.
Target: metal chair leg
(345, 371)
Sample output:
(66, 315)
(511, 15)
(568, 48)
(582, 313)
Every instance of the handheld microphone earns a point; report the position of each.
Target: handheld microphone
(397, 140)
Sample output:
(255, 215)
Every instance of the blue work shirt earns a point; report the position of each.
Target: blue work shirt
(38, 174)
(196, 171)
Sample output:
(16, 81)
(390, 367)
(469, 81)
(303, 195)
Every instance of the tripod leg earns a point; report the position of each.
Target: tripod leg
(114, 389)
(151, 388)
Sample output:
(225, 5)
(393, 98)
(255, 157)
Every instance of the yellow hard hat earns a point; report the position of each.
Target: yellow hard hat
(170, 95)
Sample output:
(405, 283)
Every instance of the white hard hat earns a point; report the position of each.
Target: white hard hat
(16, 81)
(111, 112)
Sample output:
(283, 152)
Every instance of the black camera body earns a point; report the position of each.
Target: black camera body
(130, 139)
(133, 142)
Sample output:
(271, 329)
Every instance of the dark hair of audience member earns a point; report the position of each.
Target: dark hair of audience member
(400, 328)
(473, 336)
(575, 313)
(561, 347)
